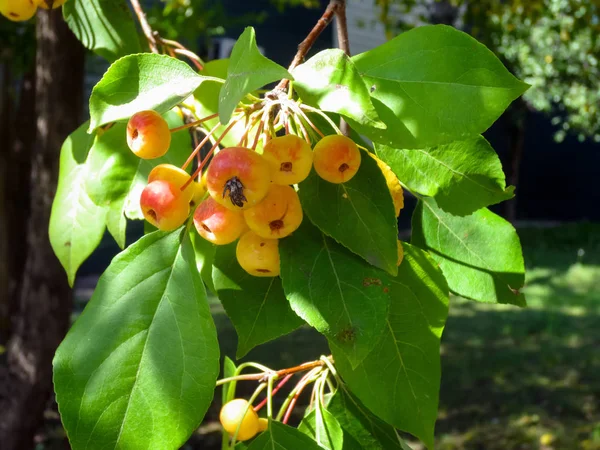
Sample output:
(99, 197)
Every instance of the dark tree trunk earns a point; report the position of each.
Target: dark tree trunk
(517, 117)
(43, 302)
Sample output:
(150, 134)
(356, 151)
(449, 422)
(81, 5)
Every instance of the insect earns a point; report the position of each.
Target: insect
(236, 191)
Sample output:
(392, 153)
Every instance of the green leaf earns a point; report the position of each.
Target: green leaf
(206, 103)
(117, 175)
(324, 428)
(330, 81)
(280, 436)
(248, 70)
(367, 430)
(138, 368)
(334, 290)
(440, 83)
(463, 176)
(359, 214)
(103, 26)
(76, 223)
(480, 254)
(116, 222)
(205, 255)
(400, 379)
(256, 305)
(139, 82)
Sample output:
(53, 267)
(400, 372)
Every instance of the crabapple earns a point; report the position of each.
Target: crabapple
(163, 205)
(263, 424)
(290, 158)
(393, 184)
(336, 158)
(148, 134)
(278, 215)
(18, 10)
(258, 256)
(49, 4)
(199, 193)
(400, 253)
(217, 224)
(174, 175)
(238, 178)
(238, 415)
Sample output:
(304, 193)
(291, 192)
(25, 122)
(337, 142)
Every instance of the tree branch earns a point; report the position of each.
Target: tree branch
(139, 12)
(342, 35)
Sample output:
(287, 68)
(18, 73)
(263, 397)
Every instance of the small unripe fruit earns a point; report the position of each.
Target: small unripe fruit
(47, 4)
(290, 158)
(238, 415)
(217, 224)
(336, 158)
(400, 253)
(393, 184)
(199, 193)
(238, 178)
(278, 215)
(148, 135)
(174, 175)
(258, 256)
(18, 10)
(164, 206)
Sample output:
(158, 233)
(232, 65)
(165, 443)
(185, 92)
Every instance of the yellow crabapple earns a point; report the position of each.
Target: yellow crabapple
(393, 184)
(18, 10)
(148, 135)
(238, 415)
(277, 215)
(174, 175)
(257, 255)
(290, 158)
(336, 158)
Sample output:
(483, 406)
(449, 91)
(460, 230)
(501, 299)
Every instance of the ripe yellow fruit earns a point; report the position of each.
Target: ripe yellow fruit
(164, 206)
(18, 10)
(393, 184)
(174, 175)
(148, 134)
(48, 4)
(336, 158)
(290, 158)
(278, 215)
(238, 415)
(218, 224)
(258, 256)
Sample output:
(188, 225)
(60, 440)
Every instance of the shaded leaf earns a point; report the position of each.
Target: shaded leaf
(256, 305)
(463, 176)
(440, 83)
(76, 223)
(104, 26)
(138, 368)
(205, 255)
(480, 254)
(248, 70)
(335, 291)
(139, 82)
(324, 428)
(330, 81)
(280, 436)
(365, 429)
(359, 214)
(399, 380)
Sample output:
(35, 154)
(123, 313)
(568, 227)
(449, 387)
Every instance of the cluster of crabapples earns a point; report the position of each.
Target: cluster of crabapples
(21, 10)
(250, 195)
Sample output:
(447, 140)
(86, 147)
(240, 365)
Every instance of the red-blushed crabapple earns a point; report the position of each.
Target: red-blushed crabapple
(290, 158)
(238, 178)
(164, 206)
(238, 415)
(148, 134)
(277, 215)
(336, 158)
(49, 4)
(18, 10)
(217, 224)
(174, 175)
(393, 184)
(258, 256)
